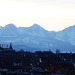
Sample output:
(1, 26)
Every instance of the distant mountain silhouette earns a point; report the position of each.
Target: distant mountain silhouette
(9, 29)
(67, 35)
(37, 38)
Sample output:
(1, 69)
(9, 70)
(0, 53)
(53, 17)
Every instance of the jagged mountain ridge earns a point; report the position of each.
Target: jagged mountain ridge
(9, 30)
(67, 35)
(34, 30)
(34, 38)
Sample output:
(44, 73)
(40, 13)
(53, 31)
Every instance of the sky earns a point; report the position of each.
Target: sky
(50, 14)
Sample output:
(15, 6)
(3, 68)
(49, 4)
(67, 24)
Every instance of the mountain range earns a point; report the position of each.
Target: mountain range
(35, 38)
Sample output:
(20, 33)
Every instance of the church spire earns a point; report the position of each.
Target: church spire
(10, 47)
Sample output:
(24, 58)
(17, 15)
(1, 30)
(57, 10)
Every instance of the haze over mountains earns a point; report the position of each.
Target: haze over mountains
(36, 38)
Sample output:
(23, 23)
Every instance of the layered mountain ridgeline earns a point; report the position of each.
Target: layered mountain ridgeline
(37, 38)
(67, 35)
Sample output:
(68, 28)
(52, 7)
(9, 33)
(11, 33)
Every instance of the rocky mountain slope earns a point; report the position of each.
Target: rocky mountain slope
(36, 38)
(67, 35)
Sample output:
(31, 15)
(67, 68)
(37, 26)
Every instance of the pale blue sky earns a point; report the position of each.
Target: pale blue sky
(50, 14)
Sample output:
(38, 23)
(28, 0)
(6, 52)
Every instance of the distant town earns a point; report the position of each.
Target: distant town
(22, 62)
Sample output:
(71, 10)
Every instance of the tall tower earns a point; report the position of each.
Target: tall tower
(10, 47)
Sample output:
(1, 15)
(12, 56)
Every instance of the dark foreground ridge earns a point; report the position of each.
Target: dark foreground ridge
(37, 63)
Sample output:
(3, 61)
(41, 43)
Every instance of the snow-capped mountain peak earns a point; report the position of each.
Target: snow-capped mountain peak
(10, 26)
(37, 37)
